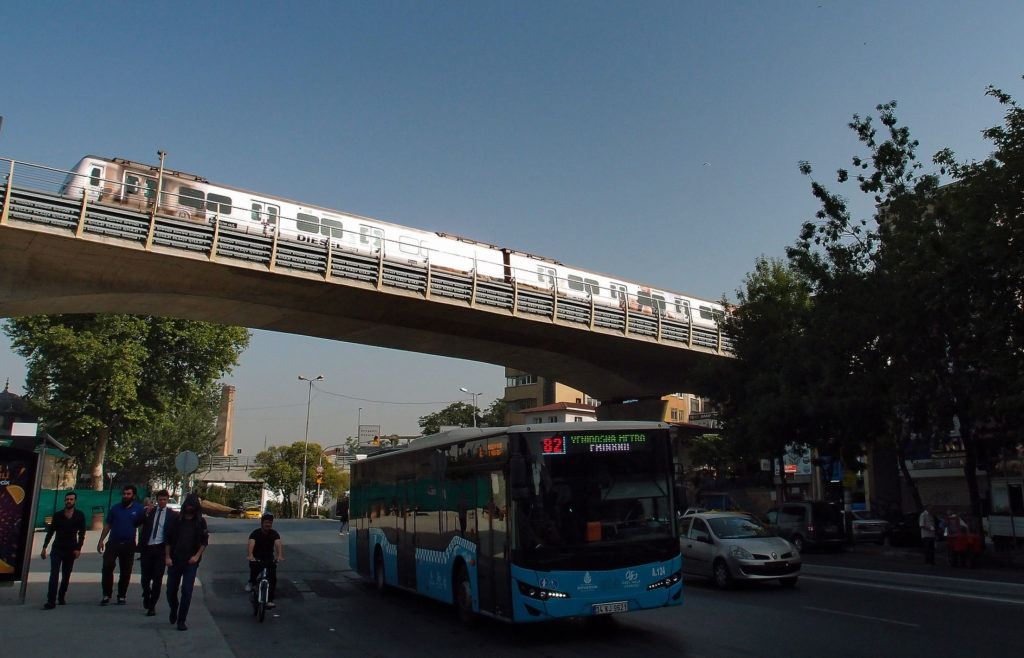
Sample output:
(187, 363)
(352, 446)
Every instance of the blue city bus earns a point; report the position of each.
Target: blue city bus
(526, 523)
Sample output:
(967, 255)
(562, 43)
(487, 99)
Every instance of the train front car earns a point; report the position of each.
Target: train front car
(595, 528)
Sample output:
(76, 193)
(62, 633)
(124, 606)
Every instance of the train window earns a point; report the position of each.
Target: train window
(659, 301)
(218, 203)
(370, 235)
(331, 228)
(409, 246)
(307, 223)
(131, 184)
(705, 313)
(150, 192)
(191, 198)
(95, 176)
(546, 275)
(589, 286)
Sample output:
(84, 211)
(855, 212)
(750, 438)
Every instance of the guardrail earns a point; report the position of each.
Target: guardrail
(30, 198)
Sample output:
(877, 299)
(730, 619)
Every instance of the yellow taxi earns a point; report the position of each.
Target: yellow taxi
(252, 512)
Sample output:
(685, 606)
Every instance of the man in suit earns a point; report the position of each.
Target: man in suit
(151, 550)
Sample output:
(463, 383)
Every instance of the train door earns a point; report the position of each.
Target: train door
(138, 189)
(92, 184)
(370, 238)
(407, 533)
(492, 548)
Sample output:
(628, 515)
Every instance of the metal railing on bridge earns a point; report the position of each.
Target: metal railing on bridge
(30, 196)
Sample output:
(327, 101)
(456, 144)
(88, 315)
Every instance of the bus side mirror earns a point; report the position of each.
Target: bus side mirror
(518, 480)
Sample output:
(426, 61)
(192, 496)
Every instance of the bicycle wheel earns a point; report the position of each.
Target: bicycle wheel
(264, 595)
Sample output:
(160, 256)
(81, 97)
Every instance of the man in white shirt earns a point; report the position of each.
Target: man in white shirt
(927, 523)
(151, 547)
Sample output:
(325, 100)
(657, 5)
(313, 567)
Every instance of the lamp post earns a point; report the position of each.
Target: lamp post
(302, 482)
(359, 424)
(466, 390)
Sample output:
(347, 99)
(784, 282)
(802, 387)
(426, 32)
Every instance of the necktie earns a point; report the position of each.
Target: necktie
(156, 524)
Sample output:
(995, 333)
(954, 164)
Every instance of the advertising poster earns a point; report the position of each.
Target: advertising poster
(17, 474)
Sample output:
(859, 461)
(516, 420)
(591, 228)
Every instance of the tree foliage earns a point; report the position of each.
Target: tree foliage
(100, 382)
(905, 325)
(281, 471)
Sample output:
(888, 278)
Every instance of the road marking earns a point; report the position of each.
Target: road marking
(919, 590)
(852, 614)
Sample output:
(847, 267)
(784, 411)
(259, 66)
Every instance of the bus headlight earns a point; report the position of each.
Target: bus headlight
(539, 593)
(666, 582)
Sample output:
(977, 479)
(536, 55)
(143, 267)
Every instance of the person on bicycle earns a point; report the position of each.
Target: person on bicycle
(264, 545)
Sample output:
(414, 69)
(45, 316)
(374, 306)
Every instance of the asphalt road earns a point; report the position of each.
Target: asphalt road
(846, 604)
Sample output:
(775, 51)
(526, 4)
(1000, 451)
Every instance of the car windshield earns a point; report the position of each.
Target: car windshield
(737, 527)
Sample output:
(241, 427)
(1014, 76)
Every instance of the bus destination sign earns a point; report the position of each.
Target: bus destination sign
(561, 444)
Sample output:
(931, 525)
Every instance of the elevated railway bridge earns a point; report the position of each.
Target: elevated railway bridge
(76, 255)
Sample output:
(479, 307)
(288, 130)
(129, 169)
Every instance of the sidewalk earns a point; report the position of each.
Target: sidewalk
(83, 627)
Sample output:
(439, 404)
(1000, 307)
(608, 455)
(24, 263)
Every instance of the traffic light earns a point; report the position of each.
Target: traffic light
(319, 480)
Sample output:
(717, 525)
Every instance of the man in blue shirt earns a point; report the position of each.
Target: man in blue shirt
(121, 524)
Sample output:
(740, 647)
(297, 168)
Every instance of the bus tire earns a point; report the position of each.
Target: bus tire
(463, 596)
(380, 582)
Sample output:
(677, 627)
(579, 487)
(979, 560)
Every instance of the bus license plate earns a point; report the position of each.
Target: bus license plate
(609, 608)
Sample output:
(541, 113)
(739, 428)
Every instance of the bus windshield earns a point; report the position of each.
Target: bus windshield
(594, 492)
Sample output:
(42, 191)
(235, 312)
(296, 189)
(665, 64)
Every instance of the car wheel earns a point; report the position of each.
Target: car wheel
(788, 583)
(798, 543)
(722, 577)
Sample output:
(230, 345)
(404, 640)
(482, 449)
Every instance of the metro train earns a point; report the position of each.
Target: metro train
(190, 197)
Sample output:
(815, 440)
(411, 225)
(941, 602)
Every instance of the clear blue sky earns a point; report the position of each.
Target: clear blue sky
(656, 141)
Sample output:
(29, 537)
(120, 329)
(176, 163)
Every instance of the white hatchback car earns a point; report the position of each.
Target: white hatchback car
(730, 546)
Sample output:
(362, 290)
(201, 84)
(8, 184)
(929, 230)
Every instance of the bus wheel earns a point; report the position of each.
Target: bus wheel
(464, 597)
(379, 581)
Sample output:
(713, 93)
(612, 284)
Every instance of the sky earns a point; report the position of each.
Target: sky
(654, 141)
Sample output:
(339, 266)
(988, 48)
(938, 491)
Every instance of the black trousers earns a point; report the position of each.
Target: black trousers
(62, 561)
(151, 569)
(124, 556)
(256, 566)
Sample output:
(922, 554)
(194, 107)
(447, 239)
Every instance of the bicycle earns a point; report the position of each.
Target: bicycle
(260, 594)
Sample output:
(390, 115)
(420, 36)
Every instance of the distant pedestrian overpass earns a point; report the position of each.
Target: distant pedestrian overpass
(64, 255)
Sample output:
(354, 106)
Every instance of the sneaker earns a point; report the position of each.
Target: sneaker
(271, 605)
(248, 587)
(48, 606)
(105, 601)
(120, 600)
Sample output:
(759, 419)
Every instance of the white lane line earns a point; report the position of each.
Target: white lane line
(851, 614)
(918, 590)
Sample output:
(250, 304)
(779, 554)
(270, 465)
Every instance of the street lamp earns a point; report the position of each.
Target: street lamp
(359, 424)
(302, 482)
(466, 390)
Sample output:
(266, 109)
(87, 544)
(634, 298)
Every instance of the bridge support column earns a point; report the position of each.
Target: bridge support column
(648, 408)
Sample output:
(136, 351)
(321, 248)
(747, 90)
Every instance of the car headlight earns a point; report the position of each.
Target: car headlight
(741, 553)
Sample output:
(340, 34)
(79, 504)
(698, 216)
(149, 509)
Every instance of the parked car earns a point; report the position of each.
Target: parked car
(906, 531)
(865, 527)
(808, 524)
(252, 512)
(731, 546)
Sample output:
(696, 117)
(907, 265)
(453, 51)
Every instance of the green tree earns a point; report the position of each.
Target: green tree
(920, 304)
(495, 414)
(98, 381)
(281, 471)
(458, 414)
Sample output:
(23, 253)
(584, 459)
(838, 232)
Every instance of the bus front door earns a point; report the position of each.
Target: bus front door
(492, 522)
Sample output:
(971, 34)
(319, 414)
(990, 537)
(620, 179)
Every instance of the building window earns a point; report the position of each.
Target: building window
(577, 419)
(552, 419)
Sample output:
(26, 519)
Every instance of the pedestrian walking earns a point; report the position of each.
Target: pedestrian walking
(67, 529)
(927, 523)
(151, 550)
(121, 524)
(184, 543)
(343, 515)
